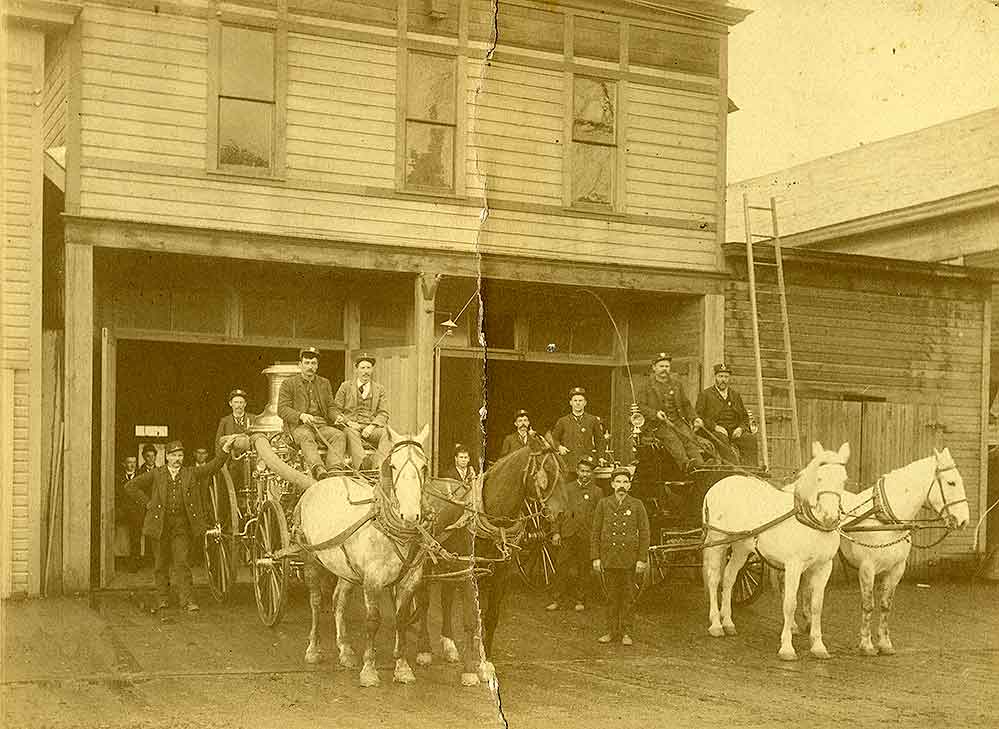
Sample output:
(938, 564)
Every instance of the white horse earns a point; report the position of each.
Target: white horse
(338, 512)
(880, 556)
(797, 531)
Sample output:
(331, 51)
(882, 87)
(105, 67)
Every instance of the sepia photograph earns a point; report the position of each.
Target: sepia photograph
(460, 364)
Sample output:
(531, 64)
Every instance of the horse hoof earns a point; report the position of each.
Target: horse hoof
(886, 650)
(487, 672)
(787, 655)
(730, 630)
(716, 631)
(867, 650)
(449, 650)
(425, 658)
(369, 677)
(469, 679)
(348, 659)
(404, 675)
(313, 656)
(820, 653)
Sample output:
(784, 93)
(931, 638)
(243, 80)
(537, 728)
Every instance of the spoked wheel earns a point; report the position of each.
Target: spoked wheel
(750, 581)
(270, 573)
(536, 556)
(654, 574)
(220, 537)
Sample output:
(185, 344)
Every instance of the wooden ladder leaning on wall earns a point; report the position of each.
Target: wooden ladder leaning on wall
(769, 297)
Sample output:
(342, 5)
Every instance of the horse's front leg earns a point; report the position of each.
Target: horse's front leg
(740, 552)
(372, 621)
(404, 613)
(490, 619)
(448, 648)
(314, 579)
(818, 577)
(473, 635)
(424, 657)
(711, 559)
(347, 657)
(888, 584)
(792, 576)
(865, 576)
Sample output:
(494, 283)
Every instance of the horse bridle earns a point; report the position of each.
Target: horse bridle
(883, 509)
(531, 469)
(410, 461)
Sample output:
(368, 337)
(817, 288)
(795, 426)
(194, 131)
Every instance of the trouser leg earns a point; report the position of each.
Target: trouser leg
(379, 438)
(355, 447)
(161, 570)
(615, 595)
(674, 446)
(180, 548)
(335, 444)
(689, 441)
(749, 454)
(627, 601)
(306, 440)
(560, 584)
(577, 566)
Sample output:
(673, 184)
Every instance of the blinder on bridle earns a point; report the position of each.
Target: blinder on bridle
(535, 468)
(943, 513)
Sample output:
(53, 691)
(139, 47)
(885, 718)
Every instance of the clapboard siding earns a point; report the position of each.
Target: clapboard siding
(54, 97)
(913, 350)
(144, 87)
(521, 111)
(672, 153)
(341, 111)
(20, 502)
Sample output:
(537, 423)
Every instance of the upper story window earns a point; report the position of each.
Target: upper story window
(594, 142)
(246, 100)
(431, 122)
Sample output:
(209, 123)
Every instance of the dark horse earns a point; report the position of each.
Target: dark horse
(477, 532)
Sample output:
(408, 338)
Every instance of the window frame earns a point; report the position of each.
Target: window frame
(276, 169)
(459, 127)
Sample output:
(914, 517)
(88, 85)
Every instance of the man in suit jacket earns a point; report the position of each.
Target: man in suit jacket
(571, 534)
(578, 434)
(666, 408)
(174, 516)
(238, 421)
(726, 419)
(128, 512)
(462, 469)
(518, 438)
(362, 405)
(305, 404)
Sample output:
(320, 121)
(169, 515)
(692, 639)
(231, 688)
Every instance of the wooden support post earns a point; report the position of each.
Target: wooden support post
(425, 295)
(79, 411)
(712, 336)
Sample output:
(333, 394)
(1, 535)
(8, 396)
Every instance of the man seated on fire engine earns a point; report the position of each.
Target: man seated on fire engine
(667, 410)
(726, 419)
(362, 407)
(305, 404)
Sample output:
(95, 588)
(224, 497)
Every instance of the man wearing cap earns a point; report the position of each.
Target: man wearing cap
(619, 547)
(174, 517)
(571, 535)
(305, 404)
(518, 438)
(725, 417)
(362, 407)
(662, 401)
(238, 421)
(578, 434)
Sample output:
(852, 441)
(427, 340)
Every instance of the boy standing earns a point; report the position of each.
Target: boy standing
(619, 546)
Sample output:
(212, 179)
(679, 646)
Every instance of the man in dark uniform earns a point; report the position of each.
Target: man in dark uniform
(619, 547)
(665, 405)
(518, 438)
(725, 417)
(578, 434)
(238, 421)
(572, 536)
(200, 456)
(128, 513)
(305, 404)
(462, 469)
(148, 458)
(362, 413)
(174, 517)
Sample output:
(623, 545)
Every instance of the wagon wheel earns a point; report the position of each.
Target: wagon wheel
(654, 574)
(270, 573)
(220, 538)
(750, 581)
(536, 556)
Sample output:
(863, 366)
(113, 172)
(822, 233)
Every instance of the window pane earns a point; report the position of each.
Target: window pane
(592, 174)
(431, 92)
(595, 110)
(384, 324)
(245, 129)
(247, 63)
(429, 155)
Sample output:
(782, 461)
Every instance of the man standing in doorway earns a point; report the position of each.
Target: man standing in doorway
(362, 407)
(305, 404)
(663, 403)
(578, 434)
(200, 456)
(725, 417)
(128, 513)
(238, 421)
(518, 438)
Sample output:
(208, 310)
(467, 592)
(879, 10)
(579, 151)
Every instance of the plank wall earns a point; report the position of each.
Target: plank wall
(144, 135)
(912, 349)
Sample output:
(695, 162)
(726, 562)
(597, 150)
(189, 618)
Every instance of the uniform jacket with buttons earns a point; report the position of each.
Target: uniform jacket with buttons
(513, 442)
(229, 426)
(729, 413)
(620, 534)
(581, 503)
(348, 401)
(293, 400)
(655, 396)
(583, 436)
(158, 482)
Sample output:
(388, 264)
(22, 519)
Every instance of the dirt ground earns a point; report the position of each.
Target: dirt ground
(105, 661)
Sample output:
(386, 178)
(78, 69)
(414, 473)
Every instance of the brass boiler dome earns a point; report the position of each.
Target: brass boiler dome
(269, 421)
